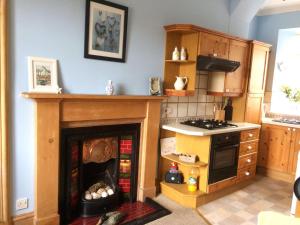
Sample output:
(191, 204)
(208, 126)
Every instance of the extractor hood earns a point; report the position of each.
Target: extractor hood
(214, 64)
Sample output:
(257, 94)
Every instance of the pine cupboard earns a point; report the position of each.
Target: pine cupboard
(278, 150)
(201, 41)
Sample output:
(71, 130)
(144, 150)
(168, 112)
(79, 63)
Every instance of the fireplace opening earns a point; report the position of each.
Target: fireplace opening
(98, 169)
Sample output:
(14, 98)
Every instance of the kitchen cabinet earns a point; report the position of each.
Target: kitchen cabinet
(259, 66)
(279, 148)
(247, 155)
(186, 37)
(235, 81)
(213, 45)
(231, 84)
(248, 107)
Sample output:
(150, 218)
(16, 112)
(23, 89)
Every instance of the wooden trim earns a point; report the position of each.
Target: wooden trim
(91, 97)
(194, 28)
(4, 133)
(23, 219)
(290, 178)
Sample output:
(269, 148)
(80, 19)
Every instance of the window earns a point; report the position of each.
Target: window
(286, 72)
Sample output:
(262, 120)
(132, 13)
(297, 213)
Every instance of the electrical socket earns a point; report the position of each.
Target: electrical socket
(22, 203)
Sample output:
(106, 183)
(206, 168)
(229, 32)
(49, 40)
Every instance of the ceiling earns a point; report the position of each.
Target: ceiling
(279, 6)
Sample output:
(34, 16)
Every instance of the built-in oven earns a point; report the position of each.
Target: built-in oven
(224, 155)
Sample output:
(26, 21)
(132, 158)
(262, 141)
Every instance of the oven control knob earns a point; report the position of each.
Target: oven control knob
(247, 173)
(249, 147)
(248, 160)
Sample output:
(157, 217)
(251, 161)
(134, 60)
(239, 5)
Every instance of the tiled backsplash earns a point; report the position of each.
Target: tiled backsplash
(200, 105)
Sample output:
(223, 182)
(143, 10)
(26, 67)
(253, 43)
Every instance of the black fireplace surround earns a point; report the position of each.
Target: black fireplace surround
(77, 175)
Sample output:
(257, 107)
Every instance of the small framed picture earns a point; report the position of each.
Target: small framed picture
(105, 30)
(42, 75)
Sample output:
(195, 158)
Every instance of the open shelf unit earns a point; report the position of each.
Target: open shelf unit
(187, 38)
(176, 159)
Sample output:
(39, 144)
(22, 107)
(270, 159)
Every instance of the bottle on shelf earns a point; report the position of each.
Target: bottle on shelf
(183, 54)
(228, 110)
(175, 55)
(193, 179)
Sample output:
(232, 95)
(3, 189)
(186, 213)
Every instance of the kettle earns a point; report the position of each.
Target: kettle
(180, 83)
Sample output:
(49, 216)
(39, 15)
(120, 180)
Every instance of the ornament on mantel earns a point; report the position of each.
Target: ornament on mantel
(109, 89)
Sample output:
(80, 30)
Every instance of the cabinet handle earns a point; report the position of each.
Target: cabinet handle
(248, 160)
(247, 173)
(289, 129)
(249, 147)
(250, 135)
(294, 129)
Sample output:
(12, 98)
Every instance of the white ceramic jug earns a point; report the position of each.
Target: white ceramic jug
(180, 83)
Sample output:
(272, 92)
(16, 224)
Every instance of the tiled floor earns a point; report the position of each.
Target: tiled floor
(243, 206)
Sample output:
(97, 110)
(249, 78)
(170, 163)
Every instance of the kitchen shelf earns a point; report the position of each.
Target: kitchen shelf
(175, 158)
(182, 189)
(173, 92)
(179, 61)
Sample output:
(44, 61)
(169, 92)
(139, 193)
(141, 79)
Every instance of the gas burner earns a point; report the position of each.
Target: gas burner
(208, 124)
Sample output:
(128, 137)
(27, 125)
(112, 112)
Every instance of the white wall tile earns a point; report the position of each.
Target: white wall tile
(201, 109)
(210, 98)
(201, 95)
(192, 109)
(209, 109)
(182, 109)
(195, 97)
(172, 107)
(173, 99)
(183, 99)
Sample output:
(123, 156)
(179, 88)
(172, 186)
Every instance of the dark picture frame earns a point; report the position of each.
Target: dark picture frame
(105, 31)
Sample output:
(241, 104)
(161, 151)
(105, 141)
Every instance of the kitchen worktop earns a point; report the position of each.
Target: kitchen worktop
(270, 121)
(194, 131)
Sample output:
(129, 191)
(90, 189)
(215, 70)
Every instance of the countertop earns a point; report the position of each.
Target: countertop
(194, 131)
(269, 121)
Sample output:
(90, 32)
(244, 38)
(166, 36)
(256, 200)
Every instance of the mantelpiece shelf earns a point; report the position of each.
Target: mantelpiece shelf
(175, 158)
(180, 61)
(173, 92)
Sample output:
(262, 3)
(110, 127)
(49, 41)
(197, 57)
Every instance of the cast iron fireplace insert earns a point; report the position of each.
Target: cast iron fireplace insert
(79, 168)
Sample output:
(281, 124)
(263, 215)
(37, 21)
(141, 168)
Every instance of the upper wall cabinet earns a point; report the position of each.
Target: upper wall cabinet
(235, 81)
(181, 37)
(259, 67)
(231, 84)
(214, 45)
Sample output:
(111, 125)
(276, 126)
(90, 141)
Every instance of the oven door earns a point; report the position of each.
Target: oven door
(223, 163)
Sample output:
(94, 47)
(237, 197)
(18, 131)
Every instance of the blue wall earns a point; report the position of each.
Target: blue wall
(55, 29)
(267, 31)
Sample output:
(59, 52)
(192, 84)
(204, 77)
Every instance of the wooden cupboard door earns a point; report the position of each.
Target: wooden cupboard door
(235, 81)
(259, 66)
(210, 44)
(274, 147)
(254, 104)
(294, 150)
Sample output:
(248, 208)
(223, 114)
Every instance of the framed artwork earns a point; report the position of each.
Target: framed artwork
(42, 75)
(105, 31)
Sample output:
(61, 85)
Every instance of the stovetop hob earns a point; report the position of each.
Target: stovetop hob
(208, 124)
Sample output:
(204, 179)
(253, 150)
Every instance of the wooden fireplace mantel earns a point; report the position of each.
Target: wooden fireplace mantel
(56, 111)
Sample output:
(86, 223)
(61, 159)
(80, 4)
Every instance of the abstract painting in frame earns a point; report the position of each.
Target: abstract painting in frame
(105, 30)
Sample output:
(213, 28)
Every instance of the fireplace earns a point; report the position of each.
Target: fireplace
(55, 112)
(98, 169)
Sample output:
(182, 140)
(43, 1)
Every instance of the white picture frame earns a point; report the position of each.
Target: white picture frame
(42, 74)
